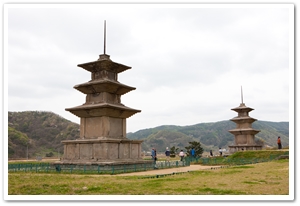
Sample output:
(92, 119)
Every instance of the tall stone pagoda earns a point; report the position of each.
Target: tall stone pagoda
(244, 134)
(103, 118)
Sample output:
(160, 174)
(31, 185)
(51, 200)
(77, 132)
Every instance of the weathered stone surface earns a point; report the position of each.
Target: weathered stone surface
(103, 85)
(103, 119)
(100, 127)
(244, 134)
(104, 64)
(103, 109)
(102, 150)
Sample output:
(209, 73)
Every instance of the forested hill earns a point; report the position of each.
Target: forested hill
(43, 132)
(211, 135)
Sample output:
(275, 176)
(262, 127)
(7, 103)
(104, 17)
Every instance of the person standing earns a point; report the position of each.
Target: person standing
(193, 153)
(220, 151)
(279, 143)
(181, 155)
(167, 154)
(154, 158)
(211, 153)
(153, 153)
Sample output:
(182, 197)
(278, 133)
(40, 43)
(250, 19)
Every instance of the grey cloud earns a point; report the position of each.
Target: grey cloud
(200, 55)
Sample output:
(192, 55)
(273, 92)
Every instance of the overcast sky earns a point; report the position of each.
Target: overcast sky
(188, 61)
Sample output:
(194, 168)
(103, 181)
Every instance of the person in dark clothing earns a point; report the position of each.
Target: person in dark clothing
(154, 158)
(167, 154)
(279, 143)
(211, 153)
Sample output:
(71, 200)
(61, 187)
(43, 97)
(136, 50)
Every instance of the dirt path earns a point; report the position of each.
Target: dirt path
(169, 171)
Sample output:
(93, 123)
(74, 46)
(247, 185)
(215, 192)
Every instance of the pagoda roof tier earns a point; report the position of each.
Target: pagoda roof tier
(104, 63)
(243, 119)
(103, 85)
(105, 140)
(244, 131)
(102, 109)
(242, 108)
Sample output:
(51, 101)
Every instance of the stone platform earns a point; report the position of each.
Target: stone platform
(235, 148)
(105, 163)
(102, 151)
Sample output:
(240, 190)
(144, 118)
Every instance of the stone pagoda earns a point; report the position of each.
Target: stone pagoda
(103, 117)
(244, 134)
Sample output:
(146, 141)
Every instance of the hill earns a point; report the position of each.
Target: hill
(43, 132)
(211, 135)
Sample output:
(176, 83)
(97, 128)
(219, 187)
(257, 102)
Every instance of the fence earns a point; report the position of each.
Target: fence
(94, 169)
(116, 169)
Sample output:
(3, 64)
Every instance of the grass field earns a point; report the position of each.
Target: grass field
(268, 178)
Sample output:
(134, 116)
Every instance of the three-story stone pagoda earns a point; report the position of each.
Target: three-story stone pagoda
(244, 134)
(103, 119)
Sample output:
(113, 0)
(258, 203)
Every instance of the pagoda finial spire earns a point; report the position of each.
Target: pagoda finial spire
(104, 36)
(104, 56)
(242, 94)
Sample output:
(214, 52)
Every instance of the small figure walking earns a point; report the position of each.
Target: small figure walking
(181, 155)
(279, 143)
(220, 151)
(154, 158)
(167, 154)
(211, 153)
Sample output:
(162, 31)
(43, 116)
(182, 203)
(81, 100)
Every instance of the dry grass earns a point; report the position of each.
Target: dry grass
(270, 178)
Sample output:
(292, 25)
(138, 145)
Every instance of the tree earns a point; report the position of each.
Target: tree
(49, 154)
(196, 146)
(173, 151)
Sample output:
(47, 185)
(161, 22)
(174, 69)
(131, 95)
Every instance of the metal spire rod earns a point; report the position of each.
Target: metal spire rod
(242, 94)
(104, 36)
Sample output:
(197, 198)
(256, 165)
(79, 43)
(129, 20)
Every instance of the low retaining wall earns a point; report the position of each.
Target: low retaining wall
(95, 169)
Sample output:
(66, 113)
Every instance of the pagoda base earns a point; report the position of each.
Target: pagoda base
(104, 163)
(107, 167)
(235, 148)
(102, 151)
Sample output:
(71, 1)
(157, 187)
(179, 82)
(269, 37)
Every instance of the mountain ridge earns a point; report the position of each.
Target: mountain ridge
(43, 132)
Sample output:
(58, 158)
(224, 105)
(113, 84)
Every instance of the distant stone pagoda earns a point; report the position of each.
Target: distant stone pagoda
(103, 118)
(244, 134)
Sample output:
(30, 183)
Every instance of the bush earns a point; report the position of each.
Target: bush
(49, 154)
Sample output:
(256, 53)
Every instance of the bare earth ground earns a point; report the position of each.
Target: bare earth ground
(169, 171)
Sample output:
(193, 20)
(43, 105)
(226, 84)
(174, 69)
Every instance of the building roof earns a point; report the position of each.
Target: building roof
(103, 85)
(104, 63)
(243, 119)
(103, 109)
(242, 108)
(244, 131)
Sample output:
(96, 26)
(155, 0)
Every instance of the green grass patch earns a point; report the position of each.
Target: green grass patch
(243, 157)
(261, 154)
(242, 167)
(227, 172)
(251, 182)
(214, 191)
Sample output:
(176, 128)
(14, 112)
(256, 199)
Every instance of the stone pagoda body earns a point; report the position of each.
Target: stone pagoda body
(244, 134)
(103, 119)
